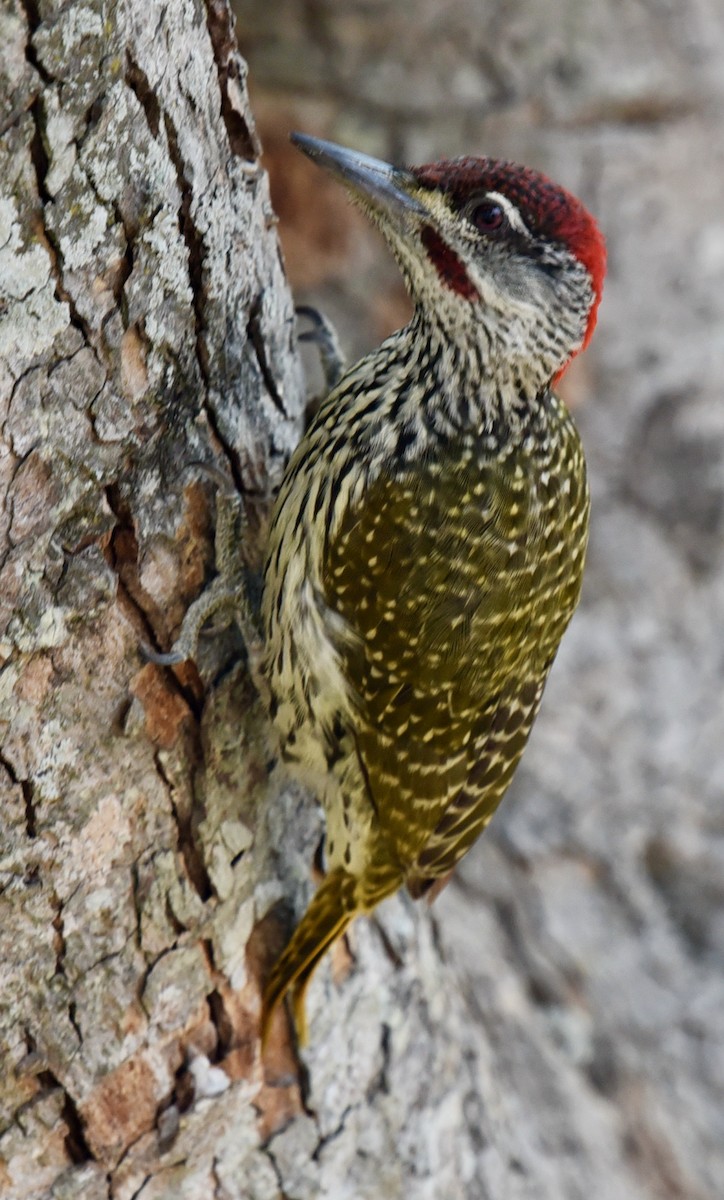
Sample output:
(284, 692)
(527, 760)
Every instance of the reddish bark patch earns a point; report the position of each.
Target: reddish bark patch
(167, 714)
(235, 1018)
(34, 682)
(121, 1107)
(32, 495)
(267, 940)
(342, 960)
(277, 1107)
(134, 373)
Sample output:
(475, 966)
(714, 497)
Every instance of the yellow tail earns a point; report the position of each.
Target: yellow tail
(338, 900)
(332, 908)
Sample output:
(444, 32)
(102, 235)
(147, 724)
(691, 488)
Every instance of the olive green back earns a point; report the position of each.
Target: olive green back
(459, 577)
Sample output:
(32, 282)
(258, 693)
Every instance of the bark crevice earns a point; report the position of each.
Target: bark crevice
(194, 243)
(256, 338)
(139, 84)
(243, 140)
(34, 21)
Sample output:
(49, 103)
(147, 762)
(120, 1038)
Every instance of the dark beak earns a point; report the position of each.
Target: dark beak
(383, 188)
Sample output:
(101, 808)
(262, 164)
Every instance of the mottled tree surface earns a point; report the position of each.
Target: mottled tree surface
(557, 1033)
(145, 326)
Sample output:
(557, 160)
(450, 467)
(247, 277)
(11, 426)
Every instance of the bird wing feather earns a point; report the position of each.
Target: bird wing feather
(437, 574)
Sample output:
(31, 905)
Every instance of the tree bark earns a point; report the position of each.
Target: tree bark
(146, 325)
(151, 859)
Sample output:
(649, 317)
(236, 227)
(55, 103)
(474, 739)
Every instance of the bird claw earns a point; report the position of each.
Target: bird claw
(324, 336)
(168, 659)
(222, 479)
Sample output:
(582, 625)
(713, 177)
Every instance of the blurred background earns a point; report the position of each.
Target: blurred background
(587, 927)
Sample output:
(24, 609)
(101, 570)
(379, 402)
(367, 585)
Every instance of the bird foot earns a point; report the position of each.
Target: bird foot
(228, 595)
(324, 336)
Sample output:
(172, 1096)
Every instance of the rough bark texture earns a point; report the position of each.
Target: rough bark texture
(570, 1045)
(146, 325)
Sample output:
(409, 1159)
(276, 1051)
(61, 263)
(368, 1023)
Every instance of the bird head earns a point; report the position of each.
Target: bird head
(491, 251)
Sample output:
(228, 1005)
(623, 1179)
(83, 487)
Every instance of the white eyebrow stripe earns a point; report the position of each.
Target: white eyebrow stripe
(512, 213)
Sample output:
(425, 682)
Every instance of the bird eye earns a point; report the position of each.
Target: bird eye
(487, 216)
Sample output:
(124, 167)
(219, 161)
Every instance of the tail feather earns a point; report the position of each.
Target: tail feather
(332, 908)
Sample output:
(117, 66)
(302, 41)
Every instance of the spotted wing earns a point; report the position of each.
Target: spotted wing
(445, 577)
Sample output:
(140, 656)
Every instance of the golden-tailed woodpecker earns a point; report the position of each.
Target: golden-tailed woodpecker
(428, 540)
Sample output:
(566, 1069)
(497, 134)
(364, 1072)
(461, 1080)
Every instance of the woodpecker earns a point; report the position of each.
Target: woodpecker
(427, 543)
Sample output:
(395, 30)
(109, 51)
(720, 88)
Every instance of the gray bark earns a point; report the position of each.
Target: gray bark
(146, 325)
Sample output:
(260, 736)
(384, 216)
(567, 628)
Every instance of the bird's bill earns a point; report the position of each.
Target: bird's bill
(380, 186)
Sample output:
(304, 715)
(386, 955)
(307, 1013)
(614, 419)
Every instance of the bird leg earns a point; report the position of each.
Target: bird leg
(228, 594)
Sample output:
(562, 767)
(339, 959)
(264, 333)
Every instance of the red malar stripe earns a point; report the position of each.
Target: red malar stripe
(449, 267)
